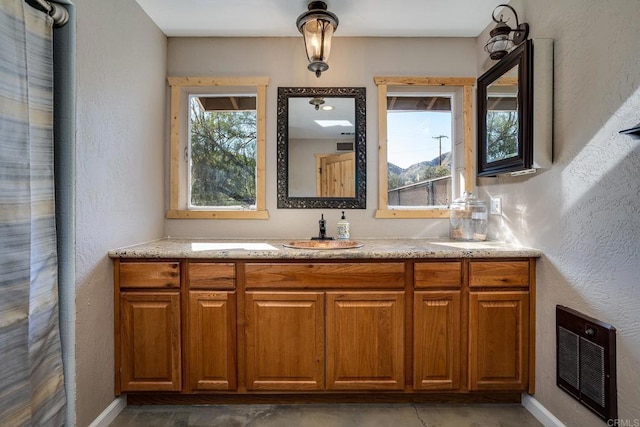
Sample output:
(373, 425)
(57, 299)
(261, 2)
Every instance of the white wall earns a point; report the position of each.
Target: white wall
(354, 62)
(121, 62)
(584, 213)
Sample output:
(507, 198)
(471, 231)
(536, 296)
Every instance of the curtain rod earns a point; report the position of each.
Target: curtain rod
(57, 12)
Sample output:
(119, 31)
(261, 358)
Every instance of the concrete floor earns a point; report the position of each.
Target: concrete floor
(329, 415)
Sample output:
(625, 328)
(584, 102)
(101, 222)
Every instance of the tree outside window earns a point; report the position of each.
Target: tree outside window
(502, 135)
(222, 157)
(217, 148)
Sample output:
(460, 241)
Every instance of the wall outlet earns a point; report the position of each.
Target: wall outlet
(495, 206)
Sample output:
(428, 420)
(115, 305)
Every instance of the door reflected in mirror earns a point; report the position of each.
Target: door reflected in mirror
(321, 147)
(502, 117)
(335, 175)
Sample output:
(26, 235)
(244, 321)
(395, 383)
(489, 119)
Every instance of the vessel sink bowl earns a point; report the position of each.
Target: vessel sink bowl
(323, 244)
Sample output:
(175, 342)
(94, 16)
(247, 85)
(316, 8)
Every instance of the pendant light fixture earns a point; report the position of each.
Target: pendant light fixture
(500, 44)
(317, 26)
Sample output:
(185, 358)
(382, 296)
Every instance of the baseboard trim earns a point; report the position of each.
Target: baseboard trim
(110, 413)
(541, 413)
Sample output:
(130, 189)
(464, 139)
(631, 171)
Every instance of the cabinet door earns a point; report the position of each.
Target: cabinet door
(498, 340)
(212, 341)
(365, 340)
(150, 341)
(285, 340)
(436, 344)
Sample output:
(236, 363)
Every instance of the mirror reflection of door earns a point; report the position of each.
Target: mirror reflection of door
(502, 117)
(335, 175)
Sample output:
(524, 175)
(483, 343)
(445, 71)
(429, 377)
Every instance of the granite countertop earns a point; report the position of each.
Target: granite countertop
(274, 249)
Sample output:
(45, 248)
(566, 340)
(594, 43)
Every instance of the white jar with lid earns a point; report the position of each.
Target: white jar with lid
(468, 218)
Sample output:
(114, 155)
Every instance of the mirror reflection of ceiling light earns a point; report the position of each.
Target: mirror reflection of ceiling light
(317, 102)
(327, 107)
(331, 123)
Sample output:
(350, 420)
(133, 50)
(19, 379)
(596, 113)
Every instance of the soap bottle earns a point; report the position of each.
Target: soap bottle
(343, 228)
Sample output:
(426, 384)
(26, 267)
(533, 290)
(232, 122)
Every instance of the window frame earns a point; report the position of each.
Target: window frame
(466, 181)
(178, 180)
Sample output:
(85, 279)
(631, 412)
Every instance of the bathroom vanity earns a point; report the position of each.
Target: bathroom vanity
(406, 319)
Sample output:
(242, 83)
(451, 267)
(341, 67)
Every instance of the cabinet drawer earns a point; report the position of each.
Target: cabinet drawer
(325, 275)
(499, 274)
(438, 274)
(150, 275)
(208, 275)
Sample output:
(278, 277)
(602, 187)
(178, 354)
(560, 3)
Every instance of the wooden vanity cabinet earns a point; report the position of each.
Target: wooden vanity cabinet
(289, 331)
(499, 327)
(437, 342)
(240, 327)
(211, 327)
(148, 333)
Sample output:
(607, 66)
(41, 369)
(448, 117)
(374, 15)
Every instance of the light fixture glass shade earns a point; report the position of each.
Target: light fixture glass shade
(317, 26)
(317, 40)
(499, 46)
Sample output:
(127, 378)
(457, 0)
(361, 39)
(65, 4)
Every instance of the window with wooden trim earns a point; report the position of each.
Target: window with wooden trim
(218, 148)
(425, 147)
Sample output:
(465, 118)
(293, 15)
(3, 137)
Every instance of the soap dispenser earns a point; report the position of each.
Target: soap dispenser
(343, 228)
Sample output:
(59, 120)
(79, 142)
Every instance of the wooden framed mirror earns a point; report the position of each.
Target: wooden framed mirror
(321, 147)
(505, 114)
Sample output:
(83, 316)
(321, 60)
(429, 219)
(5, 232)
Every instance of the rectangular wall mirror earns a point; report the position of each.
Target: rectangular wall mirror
(321, 147)
(505, 111)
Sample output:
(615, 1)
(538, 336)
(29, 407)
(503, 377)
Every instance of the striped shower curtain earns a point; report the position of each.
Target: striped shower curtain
(31, 376)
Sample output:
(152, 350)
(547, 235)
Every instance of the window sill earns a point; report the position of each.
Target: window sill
(202, 214)
(409, 214)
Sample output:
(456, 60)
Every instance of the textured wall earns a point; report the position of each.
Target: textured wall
(584, 212)
(353, 62)
(121, 59)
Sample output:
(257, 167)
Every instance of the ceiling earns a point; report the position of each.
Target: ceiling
(358, 18)
(303, 119)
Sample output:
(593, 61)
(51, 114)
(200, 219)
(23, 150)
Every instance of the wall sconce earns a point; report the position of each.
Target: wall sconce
(500, 44)
(317, 26)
